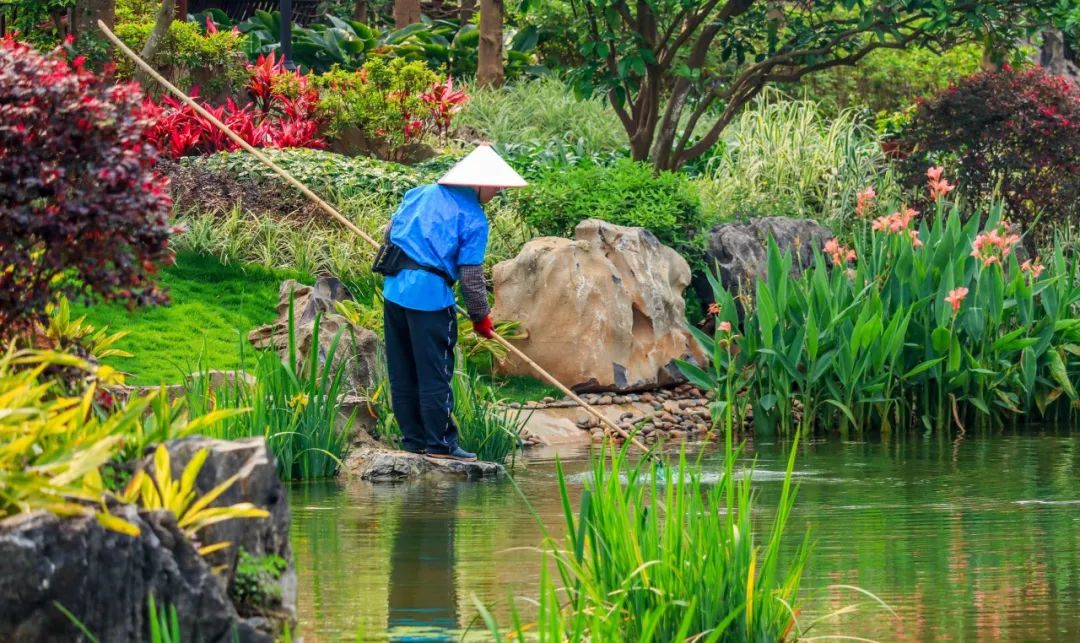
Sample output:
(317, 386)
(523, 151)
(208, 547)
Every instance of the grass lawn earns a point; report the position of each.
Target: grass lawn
(213, 307)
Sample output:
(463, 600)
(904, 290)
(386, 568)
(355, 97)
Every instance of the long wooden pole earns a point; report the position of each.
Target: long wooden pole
(329, 209)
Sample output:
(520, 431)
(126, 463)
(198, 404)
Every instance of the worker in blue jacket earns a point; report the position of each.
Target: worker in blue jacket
(437, 237)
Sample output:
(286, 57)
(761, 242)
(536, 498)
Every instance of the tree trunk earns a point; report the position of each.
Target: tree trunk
(161, 28)
(88, 12)
(406, 12)
(466, 11)
(359, 13)
(489, 68)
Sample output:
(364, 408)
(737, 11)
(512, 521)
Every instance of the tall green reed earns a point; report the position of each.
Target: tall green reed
(916, 331)
(656, 554)
(295, 406)
(784, 157)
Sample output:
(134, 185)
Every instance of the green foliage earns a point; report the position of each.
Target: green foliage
(384, 101)
(164, 622)
(328, 174)
(915, 334)
(444, 46)
(888, 80)
(160, 491)
(255, 583)
(57, 450)
(485, 427)
(540, 112)
(667, 66)
(210, 61)
(657, 554)
(625, 193)
(295, 406)
(212, 309)
(784, 158)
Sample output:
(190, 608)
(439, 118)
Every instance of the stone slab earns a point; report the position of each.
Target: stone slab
(385, 465)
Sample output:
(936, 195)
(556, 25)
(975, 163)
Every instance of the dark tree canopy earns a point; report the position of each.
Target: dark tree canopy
(678, 71)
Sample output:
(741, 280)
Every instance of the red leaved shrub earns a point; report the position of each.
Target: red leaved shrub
(81, 209)
(1019, 128)
(281, 114)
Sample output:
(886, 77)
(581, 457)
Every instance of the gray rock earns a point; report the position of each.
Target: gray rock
(740, 250)
(358, 346)
(384, 465)
(258, 483)
(104, 578)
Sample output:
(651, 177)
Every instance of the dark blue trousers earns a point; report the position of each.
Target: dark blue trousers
(420, 359)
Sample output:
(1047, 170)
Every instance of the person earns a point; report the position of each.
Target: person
(437, 236)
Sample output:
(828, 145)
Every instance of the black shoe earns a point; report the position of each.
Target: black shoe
(414, 450)
(457, 453)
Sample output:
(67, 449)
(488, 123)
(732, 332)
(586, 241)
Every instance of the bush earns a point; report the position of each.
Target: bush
(1019, 130)
(625, 193)
(81, 210)
(917, 326)
(391, 103)
(889, 79)
(281, 115)
(211, 63)
(295, 406)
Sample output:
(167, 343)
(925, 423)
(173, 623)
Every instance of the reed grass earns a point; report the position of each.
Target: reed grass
(541, 110)
(783, 157)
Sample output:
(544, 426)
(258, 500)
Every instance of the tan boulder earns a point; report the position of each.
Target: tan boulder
(603, 311)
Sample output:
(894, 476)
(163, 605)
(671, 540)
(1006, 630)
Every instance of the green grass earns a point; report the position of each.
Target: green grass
(522, 388)
(213, 307)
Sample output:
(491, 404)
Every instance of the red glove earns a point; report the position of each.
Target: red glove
(484, 328)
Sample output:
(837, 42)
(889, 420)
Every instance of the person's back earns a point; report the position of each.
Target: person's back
(441, 227)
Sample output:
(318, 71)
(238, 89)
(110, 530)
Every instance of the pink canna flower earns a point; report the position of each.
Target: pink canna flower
(993, 246)
(840, 254)
(939, 187)
(1033, 268)
(865, 201)
(714, 309)
(955, 297)
(724, 327)
(899, 223)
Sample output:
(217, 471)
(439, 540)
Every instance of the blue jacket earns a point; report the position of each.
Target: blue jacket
(440, 226)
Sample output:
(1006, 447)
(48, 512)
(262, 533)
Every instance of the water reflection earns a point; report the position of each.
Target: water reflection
(423, 595)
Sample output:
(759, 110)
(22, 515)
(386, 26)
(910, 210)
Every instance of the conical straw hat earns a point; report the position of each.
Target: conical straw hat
(483, 167)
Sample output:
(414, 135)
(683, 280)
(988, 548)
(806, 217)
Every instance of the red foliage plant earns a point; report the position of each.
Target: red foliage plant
(1019, 128)
(281, 114)
(81, 209)
(444, 101)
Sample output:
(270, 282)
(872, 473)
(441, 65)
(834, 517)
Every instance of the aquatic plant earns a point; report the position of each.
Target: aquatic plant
(295, 406)
(656, 554)
(932, 322)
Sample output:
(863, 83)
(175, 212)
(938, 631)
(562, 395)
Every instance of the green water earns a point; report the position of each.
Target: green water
(975, 540)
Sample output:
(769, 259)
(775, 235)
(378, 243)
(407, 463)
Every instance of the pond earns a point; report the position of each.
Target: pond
(977, 539)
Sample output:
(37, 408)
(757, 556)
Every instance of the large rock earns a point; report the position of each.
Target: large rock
(603, 312)
(104, 579)
(385, 465)
(740, 250)
(358, 346)
(252, 461)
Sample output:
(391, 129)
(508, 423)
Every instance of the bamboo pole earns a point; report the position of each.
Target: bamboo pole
(329, 209)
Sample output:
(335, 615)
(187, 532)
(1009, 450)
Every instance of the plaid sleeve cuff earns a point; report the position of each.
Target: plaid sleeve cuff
(474, 291)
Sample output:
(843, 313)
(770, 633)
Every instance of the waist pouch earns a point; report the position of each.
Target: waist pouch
(391, 259)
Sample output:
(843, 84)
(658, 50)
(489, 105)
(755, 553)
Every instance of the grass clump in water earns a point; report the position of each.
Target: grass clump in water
(655, 554)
